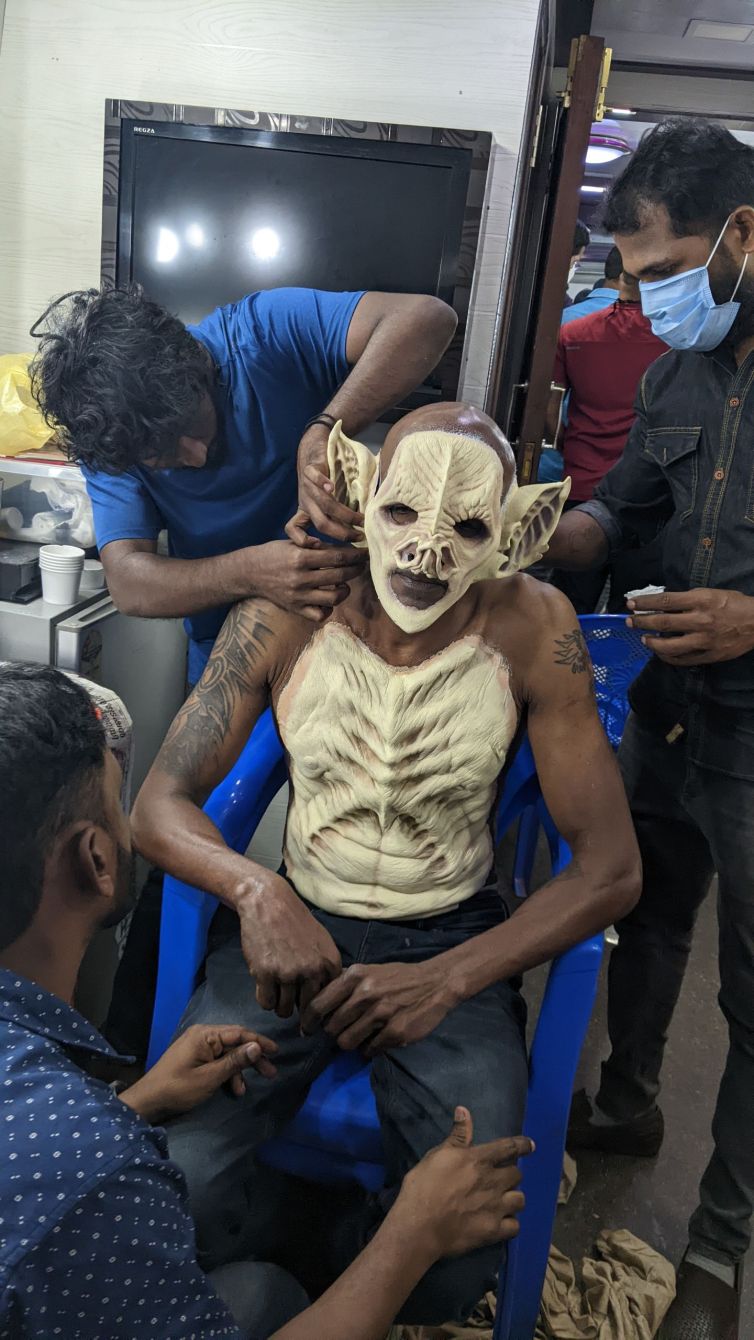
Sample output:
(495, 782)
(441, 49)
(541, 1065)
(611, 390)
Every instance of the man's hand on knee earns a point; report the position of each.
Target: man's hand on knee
(464, 1195)
(378, 1006)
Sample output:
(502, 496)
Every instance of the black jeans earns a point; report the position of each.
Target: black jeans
(691, 821)
(476, 1056)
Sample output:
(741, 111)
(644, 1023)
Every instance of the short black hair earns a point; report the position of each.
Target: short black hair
(52, 758)
(581, 237)
(613, 264)
(697, 169)
(118, 377)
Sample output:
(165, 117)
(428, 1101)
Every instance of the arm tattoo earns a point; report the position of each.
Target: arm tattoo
(232, 674)
(571, 650)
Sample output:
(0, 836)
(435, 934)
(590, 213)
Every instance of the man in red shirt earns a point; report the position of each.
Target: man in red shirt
(600, 361)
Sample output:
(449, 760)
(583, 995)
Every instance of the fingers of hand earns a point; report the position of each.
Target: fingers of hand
(267, 992)
(462, 1132)
(286, 999)
(508, 1150)
(690, 648)
(691, 622)
(317, 478)
(296, 531)
(334, 994)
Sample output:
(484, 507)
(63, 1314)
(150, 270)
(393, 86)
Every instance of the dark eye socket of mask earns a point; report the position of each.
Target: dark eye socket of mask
(472, 529)
(402, 516)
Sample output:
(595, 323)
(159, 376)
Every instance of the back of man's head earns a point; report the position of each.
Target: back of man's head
(52, 758)
(613, 265)
(697, 169)
(117, 376)
(581, 239)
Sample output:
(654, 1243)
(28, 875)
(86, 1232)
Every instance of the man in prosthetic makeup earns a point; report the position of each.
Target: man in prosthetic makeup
(385, 931)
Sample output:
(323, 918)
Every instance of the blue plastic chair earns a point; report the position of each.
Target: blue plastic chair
(618, 654)
(336, 1136)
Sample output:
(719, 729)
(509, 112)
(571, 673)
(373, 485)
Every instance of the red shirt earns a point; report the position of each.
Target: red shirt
(601, 359)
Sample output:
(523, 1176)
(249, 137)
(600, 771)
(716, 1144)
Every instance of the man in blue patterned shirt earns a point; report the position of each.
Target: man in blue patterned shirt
(96, 1242)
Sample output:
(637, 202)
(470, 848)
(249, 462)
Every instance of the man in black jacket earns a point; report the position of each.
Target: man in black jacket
(682, 215)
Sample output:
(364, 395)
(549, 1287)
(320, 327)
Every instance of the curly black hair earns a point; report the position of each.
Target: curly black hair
(52, 759)
(695, 168)
(117, 376)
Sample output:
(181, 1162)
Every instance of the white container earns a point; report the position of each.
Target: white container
(93, 576)
(60, 587)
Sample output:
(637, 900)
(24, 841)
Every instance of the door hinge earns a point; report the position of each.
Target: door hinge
(599, 106)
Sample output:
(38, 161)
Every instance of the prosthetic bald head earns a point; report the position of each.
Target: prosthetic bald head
(442, 509)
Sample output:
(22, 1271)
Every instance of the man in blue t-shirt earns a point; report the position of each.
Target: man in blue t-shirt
(215, 432)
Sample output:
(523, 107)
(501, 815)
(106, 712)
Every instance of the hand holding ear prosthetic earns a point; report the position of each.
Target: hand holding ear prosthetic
(441, 513)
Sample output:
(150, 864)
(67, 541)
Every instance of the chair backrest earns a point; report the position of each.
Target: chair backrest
(618, 655)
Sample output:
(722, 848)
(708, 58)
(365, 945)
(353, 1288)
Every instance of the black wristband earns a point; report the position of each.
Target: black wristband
(326, 419)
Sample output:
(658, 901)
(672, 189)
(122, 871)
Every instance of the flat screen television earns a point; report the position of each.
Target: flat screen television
(207, 213)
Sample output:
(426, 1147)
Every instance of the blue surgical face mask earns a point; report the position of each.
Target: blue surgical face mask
(682, 310)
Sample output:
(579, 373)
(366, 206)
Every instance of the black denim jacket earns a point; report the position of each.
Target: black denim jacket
(688, 471)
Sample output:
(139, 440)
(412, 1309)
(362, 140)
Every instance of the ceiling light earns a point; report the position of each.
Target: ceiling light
(620, 111)
(719, 32)
(195, 235)
(168, 246)
(265, 243)
(592, 190)
(603, 153)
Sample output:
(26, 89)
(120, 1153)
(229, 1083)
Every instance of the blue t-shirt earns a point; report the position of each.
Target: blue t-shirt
(597, 299)
(281, 356)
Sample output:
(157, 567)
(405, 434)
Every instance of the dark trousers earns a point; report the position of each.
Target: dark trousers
(691, 821)
(476, 1057)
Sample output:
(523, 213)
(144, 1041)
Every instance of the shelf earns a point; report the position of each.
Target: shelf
(47, 469)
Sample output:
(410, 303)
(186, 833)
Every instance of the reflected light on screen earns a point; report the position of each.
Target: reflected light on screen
(195, 235)
(168, 246)
(265, 243)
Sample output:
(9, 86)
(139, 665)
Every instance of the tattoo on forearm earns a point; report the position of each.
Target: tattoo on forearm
(571, 650)
(231, 675)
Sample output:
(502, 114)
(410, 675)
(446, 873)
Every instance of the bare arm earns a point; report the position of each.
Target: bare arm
(584, 794)
(209, 732)
(578, 543)
(394, 340)
(143, 582)
(289, 954)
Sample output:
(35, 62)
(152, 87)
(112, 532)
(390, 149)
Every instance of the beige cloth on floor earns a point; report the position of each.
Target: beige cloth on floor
(626, 1289)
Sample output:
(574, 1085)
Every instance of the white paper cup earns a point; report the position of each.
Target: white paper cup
(93, 576)
(61, 556)
(58, 587)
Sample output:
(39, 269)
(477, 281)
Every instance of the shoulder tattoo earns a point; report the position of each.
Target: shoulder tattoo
(571, 650)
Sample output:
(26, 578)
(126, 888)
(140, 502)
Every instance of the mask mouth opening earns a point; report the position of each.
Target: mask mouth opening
(416, 589)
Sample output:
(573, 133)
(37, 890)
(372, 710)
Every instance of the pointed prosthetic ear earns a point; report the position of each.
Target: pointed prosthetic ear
(531, 515)
(352, 468)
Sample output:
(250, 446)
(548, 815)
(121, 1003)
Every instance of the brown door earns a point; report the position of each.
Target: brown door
(559, 152)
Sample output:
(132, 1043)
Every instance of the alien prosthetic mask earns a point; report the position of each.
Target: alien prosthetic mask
(394, 769)
(440, 519)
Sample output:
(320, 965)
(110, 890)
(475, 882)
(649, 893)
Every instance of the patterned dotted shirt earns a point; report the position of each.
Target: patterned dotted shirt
(96, 1242)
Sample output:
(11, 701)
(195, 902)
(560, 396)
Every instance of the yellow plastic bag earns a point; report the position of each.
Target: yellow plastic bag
(22, 425)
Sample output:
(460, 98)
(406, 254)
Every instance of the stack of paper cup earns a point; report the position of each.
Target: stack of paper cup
(60, 566)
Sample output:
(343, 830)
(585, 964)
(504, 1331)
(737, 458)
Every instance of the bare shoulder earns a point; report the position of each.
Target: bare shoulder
(537, 629)
(265, 634)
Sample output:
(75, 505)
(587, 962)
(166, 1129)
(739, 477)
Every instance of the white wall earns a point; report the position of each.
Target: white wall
(458, 63)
